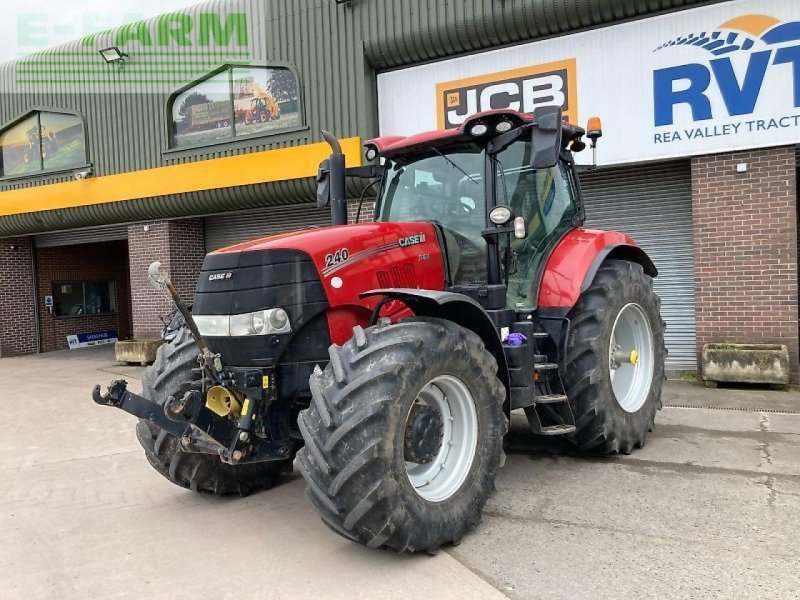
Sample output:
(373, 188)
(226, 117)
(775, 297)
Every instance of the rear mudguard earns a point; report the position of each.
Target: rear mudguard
(574, 263)
(459, 309)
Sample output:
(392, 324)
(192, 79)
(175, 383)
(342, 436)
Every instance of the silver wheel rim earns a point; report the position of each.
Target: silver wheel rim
(630, 357)
(445, 474)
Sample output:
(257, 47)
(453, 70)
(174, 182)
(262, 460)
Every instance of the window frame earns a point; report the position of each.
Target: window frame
(234, 139)
(82, 283)
(38, 109)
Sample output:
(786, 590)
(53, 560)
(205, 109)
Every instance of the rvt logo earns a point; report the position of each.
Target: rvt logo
(691, 84)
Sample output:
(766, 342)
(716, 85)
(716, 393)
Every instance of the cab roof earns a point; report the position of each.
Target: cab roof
(391, 146)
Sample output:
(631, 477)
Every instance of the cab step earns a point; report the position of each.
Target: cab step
(557, 430)
(550, 399)
(518, 400)
(545, 366)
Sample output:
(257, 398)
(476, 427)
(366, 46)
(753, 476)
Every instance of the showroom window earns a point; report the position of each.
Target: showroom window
(236, 102)
(81, 298)
(42, 141)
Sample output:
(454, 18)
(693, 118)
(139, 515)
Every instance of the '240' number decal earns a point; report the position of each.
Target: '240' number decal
(337, 257)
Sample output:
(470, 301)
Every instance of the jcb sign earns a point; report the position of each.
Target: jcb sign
(552, 84)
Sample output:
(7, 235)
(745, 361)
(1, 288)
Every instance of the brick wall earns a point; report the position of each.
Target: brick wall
(367, 211)
(745, 230)
(180, 247)
(105, 261)
(17, 317)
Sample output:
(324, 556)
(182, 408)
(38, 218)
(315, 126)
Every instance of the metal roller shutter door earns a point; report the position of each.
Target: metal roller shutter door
(232, 228)
(81, 236)
(653, 204)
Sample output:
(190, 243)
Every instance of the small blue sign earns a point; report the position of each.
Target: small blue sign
(97, 338)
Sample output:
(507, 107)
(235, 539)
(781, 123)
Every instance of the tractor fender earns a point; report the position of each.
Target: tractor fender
(574, 262)
(459, 309)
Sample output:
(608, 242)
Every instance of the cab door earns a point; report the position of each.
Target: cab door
(545, 199)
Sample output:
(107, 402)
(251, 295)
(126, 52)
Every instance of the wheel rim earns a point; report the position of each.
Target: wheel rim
(445, 474)
(630, 357)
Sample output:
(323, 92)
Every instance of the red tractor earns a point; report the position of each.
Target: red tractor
(389, 356)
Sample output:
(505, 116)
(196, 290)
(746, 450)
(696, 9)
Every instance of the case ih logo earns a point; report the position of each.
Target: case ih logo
(745, 52)
(552, 84)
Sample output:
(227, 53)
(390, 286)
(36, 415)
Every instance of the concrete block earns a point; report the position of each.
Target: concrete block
(746, 363)
(136, 351)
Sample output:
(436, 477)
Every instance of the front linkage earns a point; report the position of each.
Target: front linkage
(203, 419)
(198, 428)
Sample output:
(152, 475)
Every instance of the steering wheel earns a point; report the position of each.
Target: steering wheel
(450, 208)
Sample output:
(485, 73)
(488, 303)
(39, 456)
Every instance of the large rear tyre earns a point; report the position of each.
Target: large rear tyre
(404, 435)
(614, 366)
(172, 375)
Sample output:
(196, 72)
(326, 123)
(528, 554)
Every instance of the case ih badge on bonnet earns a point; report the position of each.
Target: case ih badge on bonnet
(411, 240)
(220, 276)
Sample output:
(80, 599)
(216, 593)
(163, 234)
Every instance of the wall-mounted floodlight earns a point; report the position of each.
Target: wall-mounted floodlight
(113, 56)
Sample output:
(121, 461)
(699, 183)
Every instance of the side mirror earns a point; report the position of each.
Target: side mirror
(324, 184)
(546, 137)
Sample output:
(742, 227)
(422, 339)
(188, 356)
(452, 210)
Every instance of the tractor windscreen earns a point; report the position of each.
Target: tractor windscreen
(446, 188)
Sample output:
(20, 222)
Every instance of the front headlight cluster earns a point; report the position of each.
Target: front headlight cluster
(261, 322)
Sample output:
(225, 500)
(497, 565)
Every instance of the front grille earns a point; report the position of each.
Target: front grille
(244, 282)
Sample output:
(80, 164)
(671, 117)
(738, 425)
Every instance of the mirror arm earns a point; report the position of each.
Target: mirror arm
(504, 140)
(497, 231)
(366, 171)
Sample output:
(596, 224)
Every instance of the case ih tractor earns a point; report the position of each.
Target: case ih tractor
(388, 356)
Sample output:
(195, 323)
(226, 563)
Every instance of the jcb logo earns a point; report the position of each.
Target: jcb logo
(552, 84)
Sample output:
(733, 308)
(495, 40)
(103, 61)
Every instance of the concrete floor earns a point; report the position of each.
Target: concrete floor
(711, 507)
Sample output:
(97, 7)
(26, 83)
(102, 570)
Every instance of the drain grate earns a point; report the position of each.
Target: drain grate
(774, 411)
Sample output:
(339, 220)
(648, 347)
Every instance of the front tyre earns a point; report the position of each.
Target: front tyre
(614, 366)
(404, 435)
(173, 373)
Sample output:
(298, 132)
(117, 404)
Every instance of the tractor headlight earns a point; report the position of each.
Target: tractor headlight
(261, 322)
(213, 325)
(500, 215)
(257, 323)
(478, 129)
(278, 319)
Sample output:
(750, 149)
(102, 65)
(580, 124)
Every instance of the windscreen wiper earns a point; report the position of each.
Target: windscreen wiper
(454, 165)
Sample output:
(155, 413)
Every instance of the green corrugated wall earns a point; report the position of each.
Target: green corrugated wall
(336, 49)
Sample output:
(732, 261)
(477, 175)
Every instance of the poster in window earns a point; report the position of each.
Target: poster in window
(63, 142)
(203, 113)
(264, 100)
(20, 148)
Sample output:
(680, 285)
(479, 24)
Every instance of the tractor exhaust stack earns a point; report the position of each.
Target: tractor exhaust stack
(332, 181)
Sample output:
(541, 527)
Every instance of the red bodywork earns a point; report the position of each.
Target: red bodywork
(370, 256)
(569, 263)
(376, 259)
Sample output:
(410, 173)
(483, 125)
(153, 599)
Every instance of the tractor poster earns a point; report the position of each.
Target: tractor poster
(239, 101)
(44, 141)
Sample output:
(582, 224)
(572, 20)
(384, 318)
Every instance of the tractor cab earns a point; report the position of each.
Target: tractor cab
(502, 188)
